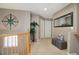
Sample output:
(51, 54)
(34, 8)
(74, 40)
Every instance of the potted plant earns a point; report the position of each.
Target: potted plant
(33, 30)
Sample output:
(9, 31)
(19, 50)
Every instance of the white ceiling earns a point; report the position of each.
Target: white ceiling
(37, 8)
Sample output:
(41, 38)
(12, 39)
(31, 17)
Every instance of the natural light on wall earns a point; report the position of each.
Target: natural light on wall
(11, 41)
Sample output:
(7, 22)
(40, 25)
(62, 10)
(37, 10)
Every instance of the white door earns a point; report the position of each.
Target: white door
(47, 29)
(41, 28)
(52, 26)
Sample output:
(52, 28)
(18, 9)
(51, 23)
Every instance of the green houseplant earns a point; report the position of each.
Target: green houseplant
(33, 30)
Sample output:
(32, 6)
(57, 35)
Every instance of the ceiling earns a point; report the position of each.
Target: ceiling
(37, 8)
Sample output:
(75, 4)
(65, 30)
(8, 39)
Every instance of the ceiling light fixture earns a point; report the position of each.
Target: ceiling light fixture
(45, 9)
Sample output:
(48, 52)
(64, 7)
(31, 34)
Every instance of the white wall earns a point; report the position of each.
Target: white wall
(68, 32)
(42, 22)
(44, 28)
(0, 32)
(36, 19)
(52, 27)
(22, 16)
(23, 26)
(47, 29)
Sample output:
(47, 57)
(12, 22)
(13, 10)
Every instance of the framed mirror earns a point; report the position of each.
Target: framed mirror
(64, 21)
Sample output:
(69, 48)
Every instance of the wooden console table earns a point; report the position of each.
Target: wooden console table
(59, 44)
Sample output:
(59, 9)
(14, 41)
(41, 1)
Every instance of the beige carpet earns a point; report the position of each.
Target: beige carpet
(44, 47)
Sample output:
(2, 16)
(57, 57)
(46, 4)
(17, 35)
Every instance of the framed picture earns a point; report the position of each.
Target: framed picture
(64, 21)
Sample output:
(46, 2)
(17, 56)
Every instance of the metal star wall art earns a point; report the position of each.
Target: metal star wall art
(10, 20)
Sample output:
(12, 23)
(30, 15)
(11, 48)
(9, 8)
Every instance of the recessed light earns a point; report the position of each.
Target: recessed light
(45, 9)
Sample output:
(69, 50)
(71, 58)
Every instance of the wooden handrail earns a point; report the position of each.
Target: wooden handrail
(21, 33)
(27, 49)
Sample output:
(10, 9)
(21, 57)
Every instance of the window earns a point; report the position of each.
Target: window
(11, 41)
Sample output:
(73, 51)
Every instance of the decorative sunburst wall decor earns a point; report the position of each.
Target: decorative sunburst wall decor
(10, 21)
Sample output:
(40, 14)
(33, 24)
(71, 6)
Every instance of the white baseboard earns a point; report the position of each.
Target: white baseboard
(72, 53)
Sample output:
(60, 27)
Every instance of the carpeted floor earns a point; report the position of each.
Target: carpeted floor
(44, 47)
